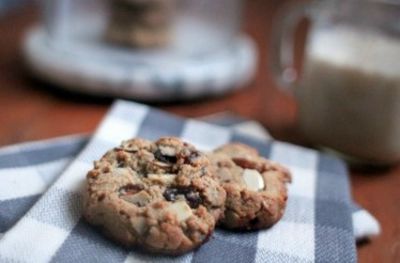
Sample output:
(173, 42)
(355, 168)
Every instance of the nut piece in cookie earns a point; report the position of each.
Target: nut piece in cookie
(253, 179)
(159, 195)
(256, 187)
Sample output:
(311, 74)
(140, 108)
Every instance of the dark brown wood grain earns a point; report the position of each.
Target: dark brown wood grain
(30, 110)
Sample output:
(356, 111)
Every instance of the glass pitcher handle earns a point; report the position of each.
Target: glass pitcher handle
(282, 44)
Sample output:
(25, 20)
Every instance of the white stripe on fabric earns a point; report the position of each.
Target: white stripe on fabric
(32, 180)
(204, 136)
(117, 126)
(253, 129)
(57, 207)
(116, 130)
(74, 178)
(38, 243)
(303, 182)
(51, 170)
(96, 148)
(291, 155)
(294, 239)
(20, 182)
(301, 163)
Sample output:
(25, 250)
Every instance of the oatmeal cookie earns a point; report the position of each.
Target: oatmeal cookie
(255, 187)
(158, 195)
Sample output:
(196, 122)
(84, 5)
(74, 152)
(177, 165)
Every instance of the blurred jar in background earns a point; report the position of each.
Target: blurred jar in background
(151, 50)
(349, 92)
(194, 27)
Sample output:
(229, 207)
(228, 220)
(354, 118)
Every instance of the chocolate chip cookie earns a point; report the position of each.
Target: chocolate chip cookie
(158, 195)
(255, 187)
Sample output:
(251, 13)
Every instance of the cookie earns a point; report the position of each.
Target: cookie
(159, 195)
(140, 23)
(255, 187)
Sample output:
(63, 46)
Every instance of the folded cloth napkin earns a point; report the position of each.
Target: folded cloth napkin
(317, 224)
(44, 161)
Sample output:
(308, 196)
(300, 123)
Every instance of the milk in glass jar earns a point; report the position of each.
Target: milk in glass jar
(349, 90)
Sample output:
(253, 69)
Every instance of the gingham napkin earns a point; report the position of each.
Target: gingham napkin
(18, 163)
(317, 225)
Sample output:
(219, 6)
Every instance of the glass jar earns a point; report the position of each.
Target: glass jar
(199, 26)
(348, 93)
(151, 50)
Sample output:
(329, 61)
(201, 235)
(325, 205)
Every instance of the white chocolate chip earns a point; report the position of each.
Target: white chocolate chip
(167, 150)
(181, 209)
(162, 178)
(253, 179)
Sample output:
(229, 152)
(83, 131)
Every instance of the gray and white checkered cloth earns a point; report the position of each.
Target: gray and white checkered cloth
(41, 224)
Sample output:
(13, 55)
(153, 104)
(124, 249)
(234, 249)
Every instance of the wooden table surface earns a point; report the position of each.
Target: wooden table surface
(30, 110)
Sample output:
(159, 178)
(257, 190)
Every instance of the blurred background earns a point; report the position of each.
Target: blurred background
(298, 67)
(42, 104)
